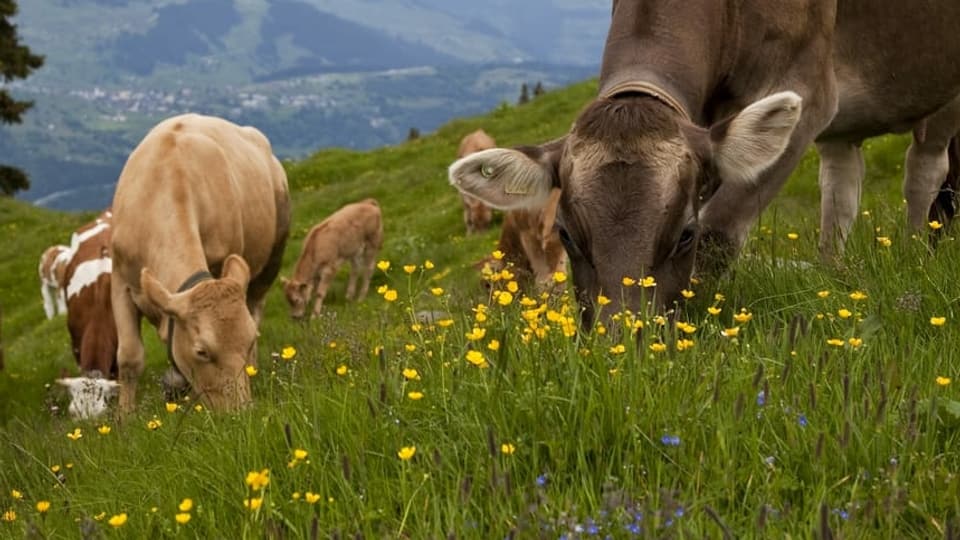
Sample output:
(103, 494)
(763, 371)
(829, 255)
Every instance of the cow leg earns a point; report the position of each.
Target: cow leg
(928, 162)
(367, 265)
(130, 355)
(841, 180)
(354, 273)
(49, 307)
(323, 284)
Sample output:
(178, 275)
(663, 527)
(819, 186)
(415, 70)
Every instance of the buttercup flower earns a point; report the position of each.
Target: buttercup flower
(943, 381)
(172, 407)
(884, 241)
(686, 328)
(507, 449)
(311, 497)
(844, 313)
(406, 453)
(618, 349)
(476, 358)
(118, 520)
(793, 236)
(476, 334)
(835, 342)
(730, 332)
(743, 317)
(185, 505)
(648, 282)
(658, 347)
(258, 480)
(628, 281)
(300, 453)
(342, 370)
(415, 396)
(411, 374)
(9, 516)
(288, 352)
(428, 264)
(684, 344)
(182, 518)
(855, 342)
(603, 300)
(559, 277)
(823, 294)
(494, 345)
(497, 254)
(938, 321)
(253, 504)
(16, 495)
(154, 424)
(251, 370)
(856, 296)
(713, 310)
(383, 265)
(409, 268)
(43, 506)
(390, 295)
(513, 286)
(437, 291)
(687, 293)
(410, 347)
(75, 434)
(935, 225)
(504, 298)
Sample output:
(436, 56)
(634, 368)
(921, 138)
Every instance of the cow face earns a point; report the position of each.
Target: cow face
(633, 174)
(88, 395)
(214, 335)
(297, 294)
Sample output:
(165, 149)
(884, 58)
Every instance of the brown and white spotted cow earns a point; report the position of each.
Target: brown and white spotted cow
(353, 233)
(704, 109)
(477, 216)
(531, 245)
(53, 264)
(93, 333)
(201, 216)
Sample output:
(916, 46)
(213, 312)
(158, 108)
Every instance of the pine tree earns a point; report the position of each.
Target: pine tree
(16, 62)
(524, 94)
(538, 90)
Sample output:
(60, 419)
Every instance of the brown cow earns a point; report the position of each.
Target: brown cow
(699, 123)
(53, 264)
(477, 216)
(201, 218)
(531, 245)
(353, 233)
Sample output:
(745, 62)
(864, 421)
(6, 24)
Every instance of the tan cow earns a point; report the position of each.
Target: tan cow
(531, 245)
(353, 233)
(53, 264)
(201, 218)
(476, 214)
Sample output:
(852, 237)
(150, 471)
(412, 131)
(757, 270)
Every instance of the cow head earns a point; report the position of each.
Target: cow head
(88, 395)
(633, 174)
(214, 335)
(297, 294)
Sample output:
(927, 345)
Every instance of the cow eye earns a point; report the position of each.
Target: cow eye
(685, 242)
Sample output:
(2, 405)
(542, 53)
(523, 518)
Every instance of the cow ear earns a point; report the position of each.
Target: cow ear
(235, 268)
(158, 295)
(509, 179)
(742, 147)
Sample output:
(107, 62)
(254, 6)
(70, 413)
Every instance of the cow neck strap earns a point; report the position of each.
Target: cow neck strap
(188, 284)
(649, 89)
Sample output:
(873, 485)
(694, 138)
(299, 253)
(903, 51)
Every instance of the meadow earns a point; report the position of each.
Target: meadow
(794, 399)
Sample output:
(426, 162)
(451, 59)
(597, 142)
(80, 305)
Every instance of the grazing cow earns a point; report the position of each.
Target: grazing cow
(53, 263)
(89, 395)
(201, 216)
(353, 233)
(476, 215)
(704, 109)
(531, 245)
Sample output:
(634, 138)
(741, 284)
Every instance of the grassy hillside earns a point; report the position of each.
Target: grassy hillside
(823, 416)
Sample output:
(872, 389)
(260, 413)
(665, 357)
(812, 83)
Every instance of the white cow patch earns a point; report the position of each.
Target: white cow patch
(88, 396)
(78, 239)
(87, 273)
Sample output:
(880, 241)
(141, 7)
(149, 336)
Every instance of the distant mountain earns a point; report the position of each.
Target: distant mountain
(309, 73)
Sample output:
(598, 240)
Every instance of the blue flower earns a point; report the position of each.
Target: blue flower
(542, 480)
(761, 398)
(670, 440)
(678, 512)
(802, 420)
(634, 528)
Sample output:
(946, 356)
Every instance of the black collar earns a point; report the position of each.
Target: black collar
(188, 284)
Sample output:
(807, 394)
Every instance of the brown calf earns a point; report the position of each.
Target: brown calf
(353, 233)
(476, 214)
(201, 217)
(53, 264)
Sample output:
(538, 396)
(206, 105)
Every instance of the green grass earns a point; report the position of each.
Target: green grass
(860, 440)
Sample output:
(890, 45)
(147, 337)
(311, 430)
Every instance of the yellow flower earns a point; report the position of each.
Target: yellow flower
(409, 268)
(428, 264)
(342, 369)
(411, 374)
(185, 505)
(730, 332)
(618, 349)
(855, 342)
(559, 277)
(253, 504)
(118, 520)
(288, 352)
(507, 449)
(628, 281)
(415, 396)
(504, 298)
(258, 480)
(526, 301)
(743, 317)
(513, 286)
(16, 495)
(300, 453)
(884, 241)
(410, 347)
(437, 291)
(719, 297)
(251, 370)
(603, 300)
(154, 424)
(823, 294)
(935, 225)
(648, 282)
(382, 289)
(856, 296)
(198, 407)
(497, 254)
(443, 323)
(182, 518)
(494, 345)
(835, 342)
(383, 265)
(686, 328)
(476, 334)
(311, 497)
(476, 358)
(9, 516)
(687, 293)
(943, 381)
(54, 468)
(938, 321)
(172, 407)
(844, 313)
(793, 236)
(43, 506)
(684, 344)
(75, 434)
(390, 295)
(406, 453)
(658, 347)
